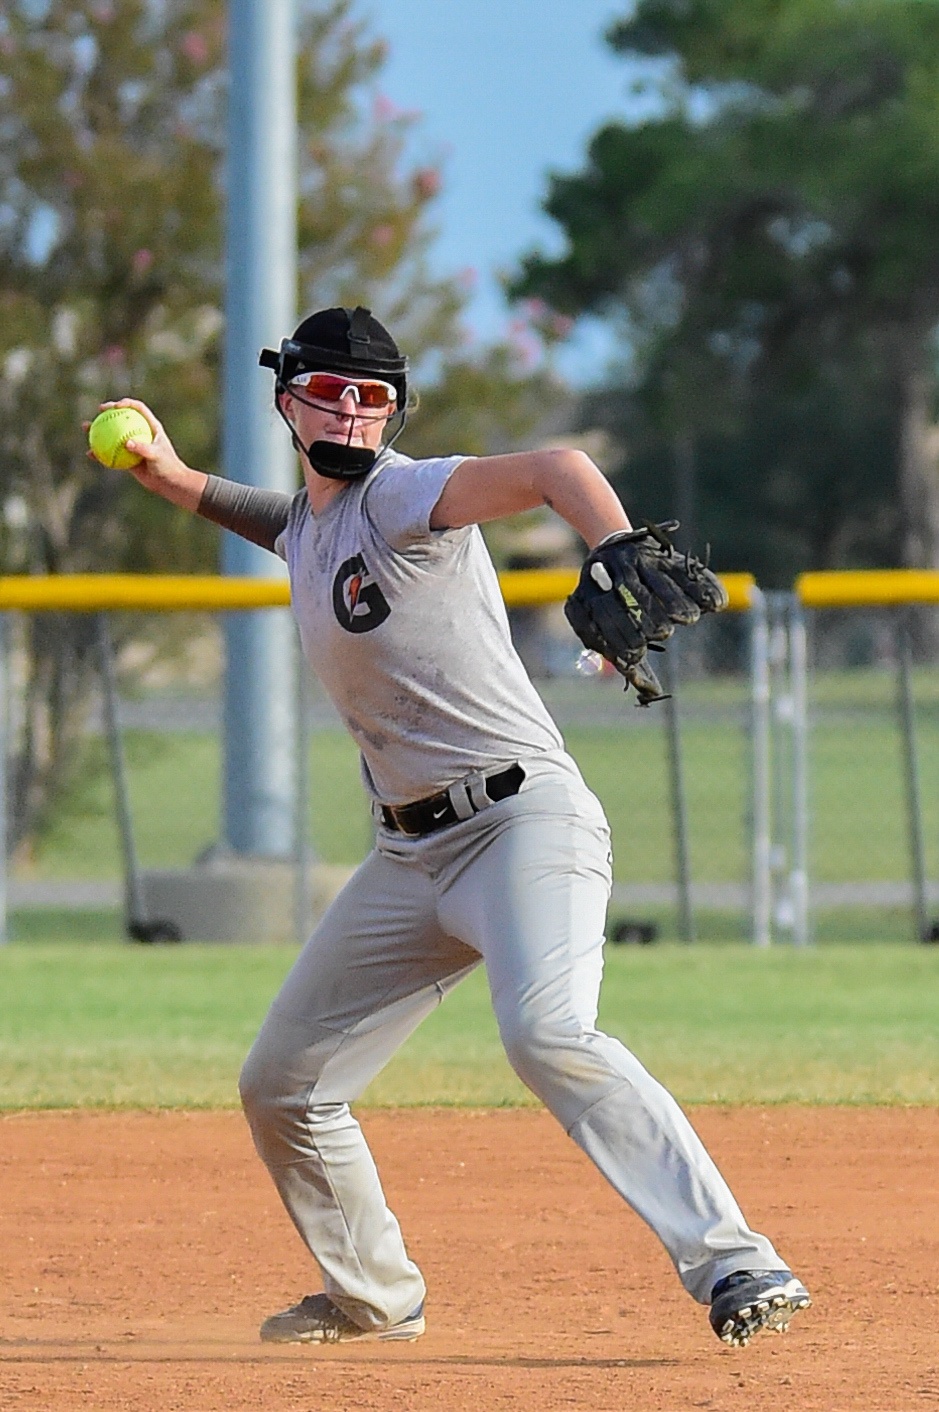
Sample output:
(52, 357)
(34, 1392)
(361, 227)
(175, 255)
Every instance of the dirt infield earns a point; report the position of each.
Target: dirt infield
(140, 1251)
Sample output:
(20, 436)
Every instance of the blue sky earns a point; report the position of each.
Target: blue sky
(508, 91)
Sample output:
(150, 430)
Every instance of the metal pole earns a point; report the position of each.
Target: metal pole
(911, 764)
(780, 716)
(261, 291)
(303, 898)
(4, 756)
(679, 799)
(799, 875)
(137, 923)
(134, 906)
(761, 900)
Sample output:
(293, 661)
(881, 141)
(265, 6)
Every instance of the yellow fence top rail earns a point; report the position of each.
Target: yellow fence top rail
(169, 593)
(867, 588)
(523, 588)
(150, 593)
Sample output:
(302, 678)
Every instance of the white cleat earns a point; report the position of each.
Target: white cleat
(316, 1319)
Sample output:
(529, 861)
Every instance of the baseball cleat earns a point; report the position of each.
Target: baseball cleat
(745, 1303)
(316, 1319)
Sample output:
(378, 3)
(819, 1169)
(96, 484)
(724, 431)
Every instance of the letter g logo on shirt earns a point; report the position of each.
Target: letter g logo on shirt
(358, 602)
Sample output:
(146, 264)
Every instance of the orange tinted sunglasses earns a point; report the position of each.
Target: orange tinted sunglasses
(331, 387)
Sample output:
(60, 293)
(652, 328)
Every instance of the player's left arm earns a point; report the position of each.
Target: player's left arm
(634, 586)
(491, 487)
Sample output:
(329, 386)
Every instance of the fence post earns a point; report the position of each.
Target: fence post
(679, 800)
(781, 775)
(761, 883)
(4, 756)
(799, 875)
(134, 904)
(303, 898)
(911, 766)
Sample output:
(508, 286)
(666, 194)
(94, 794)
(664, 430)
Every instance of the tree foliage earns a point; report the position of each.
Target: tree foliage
(770, 240)
(112, 116)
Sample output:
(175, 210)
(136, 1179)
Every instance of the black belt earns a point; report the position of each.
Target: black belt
(438, 811)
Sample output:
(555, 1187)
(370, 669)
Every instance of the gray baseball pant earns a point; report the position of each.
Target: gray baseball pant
(522, 886)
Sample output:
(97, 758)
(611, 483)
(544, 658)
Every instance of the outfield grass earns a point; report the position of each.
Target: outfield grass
(859, 830)
(174, 781)
(86, 1025)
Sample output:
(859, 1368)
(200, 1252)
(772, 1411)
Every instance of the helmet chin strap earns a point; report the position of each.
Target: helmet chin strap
(337, 460)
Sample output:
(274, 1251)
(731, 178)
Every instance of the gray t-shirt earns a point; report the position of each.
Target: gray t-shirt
(406, 628)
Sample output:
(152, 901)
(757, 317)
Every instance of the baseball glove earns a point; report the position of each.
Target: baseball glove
(633, 589)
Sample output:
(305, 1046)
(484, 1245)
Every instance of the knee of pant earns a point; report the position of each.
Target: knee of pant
(261, 1084)
(535, 1045)
(272, 1097)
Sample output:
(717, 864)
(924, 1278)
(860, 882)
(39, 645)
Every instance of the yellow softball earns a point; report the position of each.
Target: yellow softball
(109, 431)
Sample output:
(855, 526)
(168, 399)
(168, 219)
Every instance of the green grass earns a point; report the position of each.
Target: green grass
(859, 826)
(628, 772)
(112, 1025)
(84, 925)
(857, 805)
(175, 789)
(858, 821)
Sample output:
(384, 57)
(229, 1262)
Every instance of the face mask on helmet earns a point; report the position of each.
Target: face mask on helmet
(348, 342)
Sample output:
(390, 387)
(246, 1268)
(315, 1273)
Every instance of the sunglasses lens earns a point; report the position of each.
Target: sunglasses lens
(328, 387)
(375, 394)
(324, 386)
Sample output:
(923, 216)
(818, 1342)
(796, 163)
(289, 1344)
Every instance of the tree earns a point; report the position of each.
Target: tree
(490, 404)
(770, 239)
(111, 205)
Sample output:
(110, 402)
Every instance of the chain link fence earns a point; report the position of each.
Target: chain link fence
(873, 772)
(787, 791)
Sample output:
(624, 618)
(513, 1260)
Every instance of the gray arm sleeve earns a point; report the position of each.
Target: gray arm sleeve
(254, 513)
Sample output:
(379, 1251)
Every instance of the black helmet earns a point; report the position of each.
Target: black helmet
(340, 341)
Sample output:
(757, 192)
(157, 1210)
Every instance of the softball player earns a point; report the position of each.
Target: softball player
(489, 847)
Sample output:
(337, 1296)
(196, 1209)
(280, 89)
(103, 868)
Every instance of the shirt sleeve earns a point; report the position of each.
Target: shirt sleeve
(402, 496)
(253, 512)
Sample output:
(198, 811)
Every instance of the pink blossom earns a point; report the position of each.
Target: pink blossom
(141, 261)
(383, 235)
(523, 344)
(114, 355)
(468, 278)
(426, 183)
(384, 110)
(194, 47)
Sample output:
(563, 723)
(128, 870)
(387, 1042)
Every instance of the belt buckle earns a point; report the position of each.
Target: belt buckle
(475, 788)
